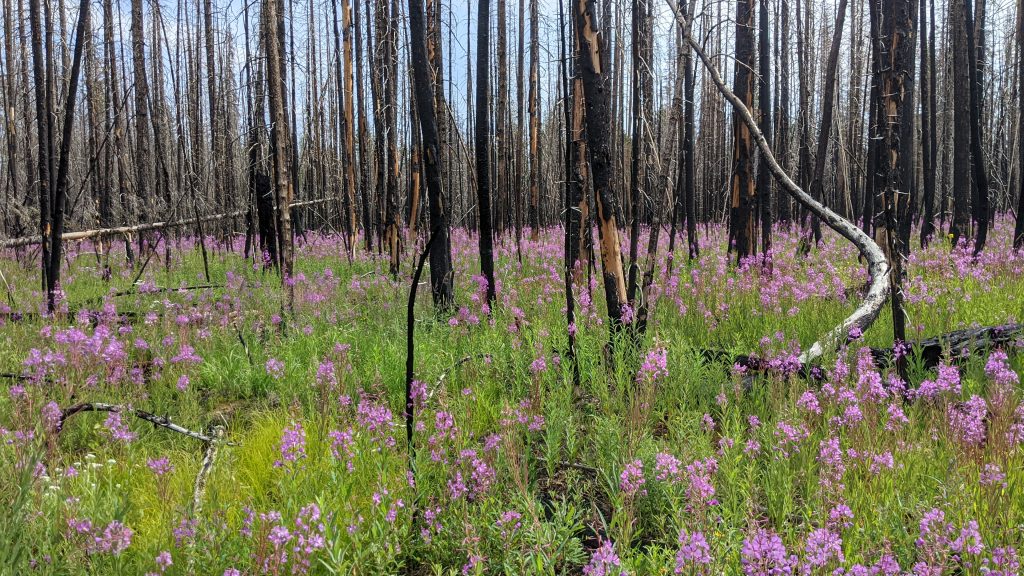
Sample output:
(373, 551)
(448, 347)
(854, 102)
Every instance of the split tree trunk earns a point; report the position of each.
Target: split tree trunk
(596, 87)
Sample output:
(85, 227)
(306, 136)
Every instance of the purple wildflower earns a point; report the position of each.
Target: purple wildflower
(293, 445)
(693, 551)
(631, 480)
(604, 562)
(763, 554)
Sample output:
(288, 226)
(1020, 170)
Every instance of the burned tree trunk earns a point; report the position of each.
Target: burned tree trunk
(743, 221)
(503, 189)
(216, 171)
(482, 141)
(389, 50)
(596, 87)
(1018, 231)
(927, 128)
(272, 34)
(979, 201)
(44, 128)
(896, 48)
(962, 56)
(784, 202)
(642, 117)
(365, 195)
(535, 175)
(580, 239)
(53, 178)
(441, 275)
(142, 124)
(571, 190)
(689, 180)
(764, 98)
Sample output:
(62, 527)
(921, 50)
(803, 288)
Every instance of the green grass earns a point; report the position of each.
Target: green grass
(563, 478)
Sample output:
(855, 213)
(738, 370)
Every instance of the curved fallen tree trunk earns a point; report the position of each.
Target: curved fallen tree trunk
(878, 265)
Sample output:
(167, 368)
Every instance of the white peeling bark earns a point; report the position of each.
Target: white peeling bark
(878, 265)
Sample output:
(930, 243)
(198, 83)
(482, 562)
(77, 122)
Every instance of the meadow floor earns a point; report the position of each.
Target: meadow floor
(659, 462)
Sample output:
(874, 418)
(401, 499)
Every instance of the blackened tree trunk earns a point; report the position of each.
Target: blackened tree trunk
(676, 210)
(260, 188)
(441, 276)
(980, 201)
(272, 35)
(785, 203)
(482, 141)
(216, 173)
(389, 51)
(896, 48)
(689, 119)
(345, 91)
(53, 177)
(596, 93)
(743, 223)
(764, 98)
(804, 114)
(503, 189)
(44, 128)
(571, 190)
(142, 124)
(365, 194)
(1018, 232)
(962, 56)
(642, 119)
(535, 174)
(927, 128)
(579, 171)
(59, 200)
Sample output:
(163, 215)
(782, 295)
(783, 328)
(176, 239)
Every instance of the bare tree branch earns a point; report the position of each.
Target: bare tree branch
(878, 265)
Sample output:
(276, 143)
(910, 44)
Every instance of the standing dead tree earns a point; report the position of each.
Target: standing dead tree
(764, 106)
(743, 212)
(272, 34)
(483, 151)
(53, 184)
(1018, 232)
(596, 89)
(441, 275)
(895, 46)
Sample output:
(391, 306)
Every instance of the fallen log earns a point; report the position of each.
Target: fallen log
(957, 346)
(160, 421)
(954, 347)
(123, 230)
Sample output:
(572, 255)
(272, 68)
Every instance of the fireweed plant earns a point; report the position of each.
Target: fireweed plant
(660, 462)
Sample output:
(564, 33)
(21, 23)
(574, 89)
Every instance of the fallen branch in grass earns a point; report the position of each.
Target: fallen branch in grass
(199, 489)
(460, 362)
(878, 265)
(155, 290)
(123, 230)
(161, 421)
(572, 465)
(954, 347)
